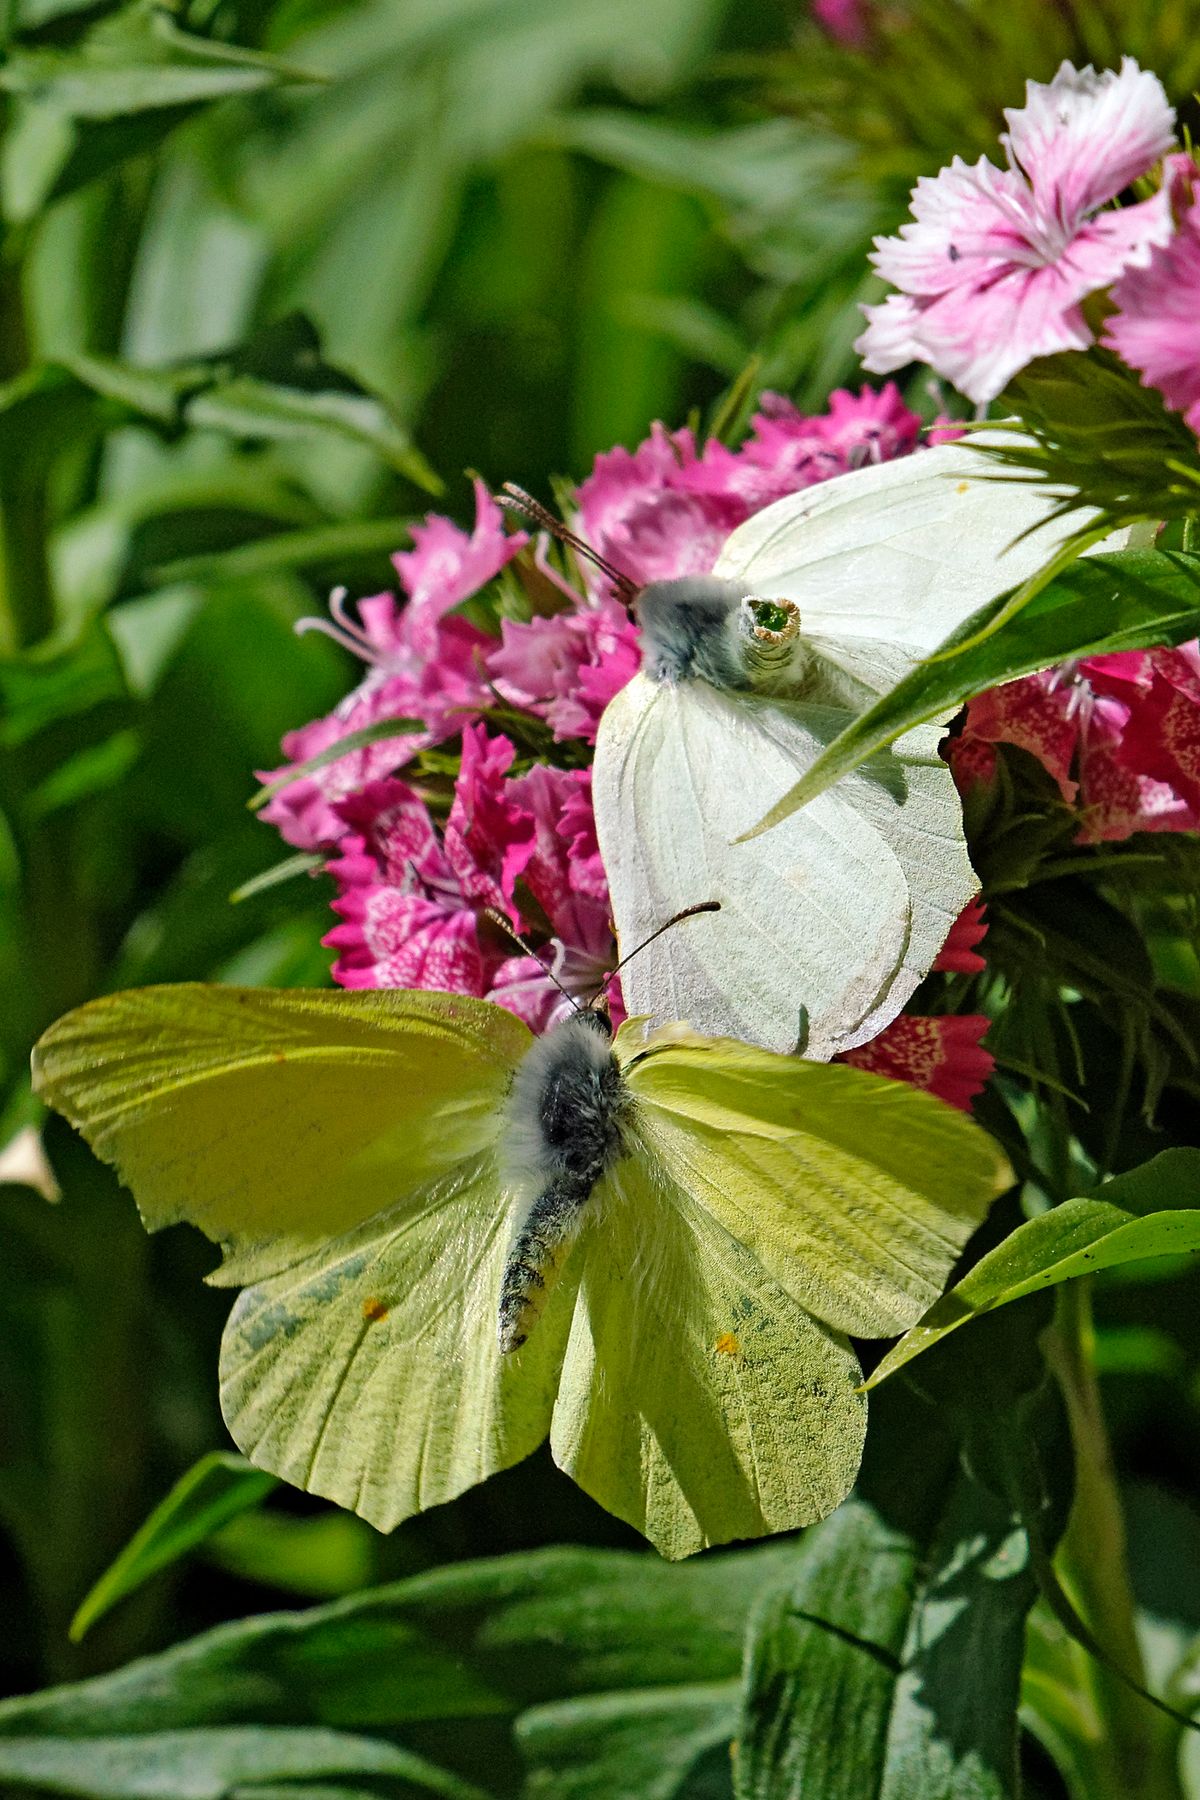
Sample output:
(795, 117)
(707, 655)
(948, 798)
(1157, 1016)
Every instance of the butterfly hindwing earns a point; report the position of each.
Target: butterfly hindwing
(698, 1400)
(826, 924)
(370, 1372)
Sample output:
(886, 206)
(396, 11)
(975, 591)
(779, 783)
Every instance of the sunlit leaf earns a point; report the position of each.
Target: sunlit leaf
(1080, 1237)
(213, 1491)
(1129, 600)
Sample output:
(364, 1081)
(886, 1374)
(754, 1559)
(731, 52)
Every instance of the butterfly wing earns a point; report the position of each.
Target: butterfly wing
(342, 1148)
(698, 1399)
(856, 1192)
(369, 1372)
(838, 912)
(886, 561)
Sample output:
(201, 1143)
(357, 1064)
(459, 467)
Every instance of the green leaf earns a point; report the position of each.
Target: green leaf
(322, 548)
(89, 772)
(353, 740)
(1129, 600)
(449, 1658)
(260, 409)
(660, 1745)
(52, 683)
(302, 864)
(317, 1557)
(114, 94)
(1080, 1237)
(212, 1492)
(890, 1664)
(214, 1764)
(275, 388)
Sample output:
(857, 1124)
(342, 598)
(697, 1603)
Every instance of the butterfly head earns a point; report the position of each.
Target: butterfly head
(694, 627)
(707, 628)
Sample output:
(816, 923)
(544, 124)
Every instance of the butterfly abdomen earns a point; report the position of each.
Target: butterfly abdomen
(563, 1130)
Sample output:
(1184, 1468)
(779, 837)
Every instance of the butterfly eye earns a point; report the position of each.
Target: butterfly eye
(772, 618)
(769, 643)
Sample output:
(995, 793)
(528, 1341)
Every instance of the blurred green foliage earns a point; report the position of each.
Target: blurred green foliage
(274, 274)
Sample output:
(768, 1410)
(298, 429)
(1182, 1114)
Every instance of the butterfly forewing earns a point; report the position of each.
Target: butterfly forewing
(856, 1193)
(275, 1120)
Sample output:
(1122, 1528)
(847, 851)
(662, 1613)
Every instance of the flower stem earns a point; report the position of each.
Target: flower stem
(26, 595)
(1134, 1750)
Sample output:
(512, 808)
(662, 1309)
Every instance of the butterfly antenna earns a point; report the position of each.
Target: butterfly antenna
(498, 918)
(689, 912)
(517, 500)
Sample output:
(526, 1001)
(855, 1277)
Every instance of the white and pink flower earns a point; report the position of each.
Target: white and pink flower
(995, 264)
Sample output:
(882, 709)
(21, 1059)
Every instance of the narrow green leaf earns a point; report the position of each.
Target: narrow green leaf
(1129, 600)
(291, 866)
(729, 417)
(320, 547)
(90, 771)
(213, 1764)
(212, 1492)
(248, 408)
(353, 740)
(1078, 1238)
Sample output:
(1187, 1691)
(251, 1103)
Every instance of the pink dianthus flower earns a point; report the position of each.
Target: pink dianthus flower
(1113, 731)
(414, 901)
(566, 668)
(845, 21)
(1156, 328)
(426, 665)
(787, 450)
(994, 266)
(944, 1056)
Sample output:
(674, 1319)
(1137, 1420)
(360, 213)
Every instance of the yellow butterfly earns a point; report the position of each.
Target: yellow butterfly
(455, 1240)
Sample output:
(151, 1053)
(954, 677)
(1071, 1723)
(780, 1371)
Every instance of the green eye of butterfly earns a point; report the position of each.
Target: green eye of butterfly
(360, 1161)
(769, 616)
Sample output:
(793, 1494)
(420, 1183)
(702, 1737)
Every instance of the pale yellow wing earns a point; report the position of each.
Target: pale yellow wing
(857, 1193)
(698, 1399)
(343, 1147)
(370, 1372)
(276, 1120)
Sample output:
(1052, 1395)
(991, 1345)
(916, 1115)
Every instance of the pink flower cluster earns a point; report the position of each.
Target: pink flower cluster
(425, 879)
(1120, 735)
(421, 908)
(994, 267)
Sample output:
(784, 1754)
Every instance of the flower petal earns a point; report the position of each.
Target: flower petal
(1083, 137)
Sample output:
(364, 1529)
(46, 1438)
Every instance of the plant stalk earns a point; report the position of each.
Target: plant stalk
(1135, 1749)
(26, 595)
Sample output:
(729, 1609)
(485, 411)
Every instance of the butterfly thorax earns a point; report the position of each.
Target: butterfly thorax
(706, 628)
(562, 1132)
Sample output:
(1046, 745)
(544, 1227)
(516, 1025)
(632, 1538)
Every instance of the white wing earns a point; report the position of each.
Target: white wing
(885, 562)
(836, 915)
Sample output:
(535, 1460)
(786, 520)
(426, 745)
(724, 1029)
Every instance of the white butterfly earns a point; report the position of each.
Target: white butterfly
(816, 605)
